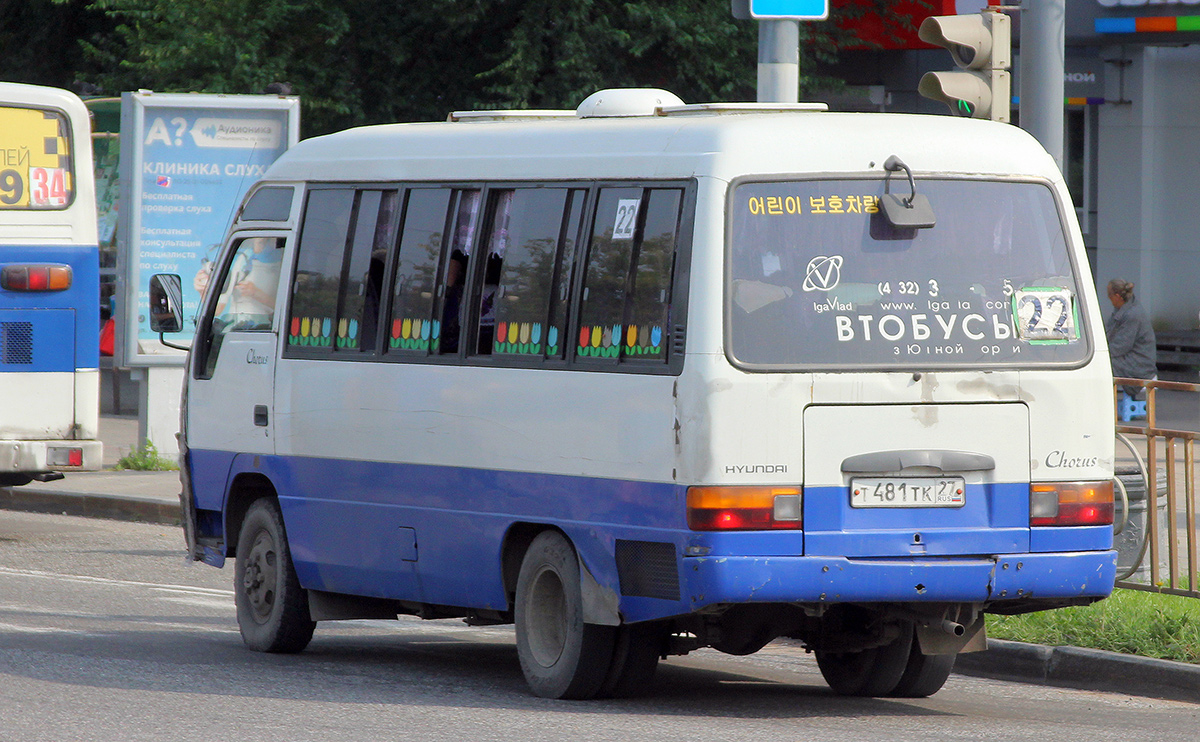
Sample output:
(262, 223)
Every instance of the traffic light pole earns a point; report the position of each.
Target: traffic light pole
(1043, 34)
(778, 61)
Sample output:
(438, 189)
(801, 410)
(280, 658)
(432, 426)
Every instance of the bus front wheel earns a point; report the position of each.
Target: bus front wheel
(561, 656)
(272, 608)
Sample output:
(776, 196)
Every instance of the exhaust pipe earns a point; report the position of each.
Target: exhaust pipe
(953, 628)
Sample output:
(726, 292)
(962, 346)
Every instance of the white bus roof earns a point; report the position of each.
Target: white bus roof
(38, 95)
(683, 141)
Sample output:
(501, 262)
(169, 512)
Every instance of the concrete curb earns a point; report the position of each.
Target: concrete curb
(113, 507)
(1085, 669)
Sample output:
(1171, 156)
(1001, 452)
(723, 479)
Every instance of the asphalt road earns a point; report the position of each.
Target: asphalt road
(106, 634)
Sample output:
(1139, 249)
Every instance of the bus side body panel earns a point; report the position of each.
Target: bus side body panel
(463, 451)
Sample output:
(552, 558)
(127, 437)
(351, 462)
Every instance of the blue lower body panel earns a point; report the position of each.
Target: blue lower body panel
(436, 534)
(717, 580)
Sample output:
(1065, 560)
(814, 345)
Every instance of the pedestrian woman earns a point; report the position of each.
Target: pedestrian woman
(1131, 342)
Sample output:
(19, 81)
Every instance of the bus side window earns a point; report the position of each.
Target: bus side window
(556, 324)
(412, 329)
(454, 275)
(358, 309)
(518, 287)
(246, 298)
(606, 275)
(647, 317)
(320, 255)
(627, 278)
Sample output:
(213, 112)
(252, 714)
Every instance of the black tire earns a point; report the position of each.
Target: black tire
(635, 658)
(924, 674)
(561, 656)
(272, 608)
(871, 672)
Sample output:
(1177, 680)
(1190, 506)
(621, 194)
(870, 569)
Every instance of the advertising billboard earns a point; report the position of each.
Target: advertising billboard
(186, 162)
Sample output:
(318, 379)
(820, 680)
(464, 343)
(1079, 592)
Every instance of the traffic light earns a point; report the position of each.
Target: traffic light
(981, 45)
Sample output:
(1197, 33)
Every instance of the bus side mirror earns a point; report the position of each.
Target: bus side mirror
(166, 303)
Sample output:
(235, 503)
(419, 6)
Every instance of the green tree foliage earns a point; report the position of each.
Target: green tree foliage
(368, 61)
(40, 39)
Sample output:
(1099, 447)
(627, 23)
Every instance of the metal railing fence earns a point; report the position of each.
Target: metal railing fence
(1159, 451)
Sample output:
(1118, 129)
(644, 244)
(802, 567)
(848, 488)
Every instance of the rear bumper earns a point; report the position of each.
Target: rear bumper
(716, 580)
(31, 457)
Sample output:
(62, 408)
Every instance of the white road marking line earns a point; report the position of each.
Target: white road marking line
(111, 581)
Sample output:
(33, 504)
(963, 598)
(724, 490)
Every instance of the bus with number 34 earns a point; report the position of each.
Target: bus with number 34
(49, 287)
(645, 377)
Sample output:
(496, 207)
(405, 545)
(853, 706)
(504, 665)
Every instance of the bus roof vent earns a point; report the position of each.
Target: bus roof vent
(715, 109)
(619, 102)
(473, 116)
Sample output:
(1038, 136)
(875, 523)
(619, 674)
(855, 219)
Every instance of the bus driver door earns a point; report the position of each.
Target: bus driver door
(231, 394)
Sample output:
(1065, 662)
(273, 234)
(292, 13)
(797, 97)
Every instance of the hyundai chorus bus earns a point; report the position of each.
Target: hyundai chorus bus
(646, 377)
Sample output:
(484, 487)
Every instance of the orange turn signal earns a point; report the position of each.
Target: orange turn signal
(1071, 503)
(744, 508)
(35, 277)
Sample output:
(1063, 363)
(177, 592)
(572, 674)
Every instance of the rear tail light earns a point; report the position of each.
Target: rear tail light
(35, 277)
(744, 508)
(1071, 504)
(61, 456)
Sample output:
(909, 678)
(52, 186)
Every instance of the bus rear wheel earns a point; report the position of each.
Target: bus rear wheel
(871, 672)
(561, 656)
(272, 608)
(924, 674)
(635, 658)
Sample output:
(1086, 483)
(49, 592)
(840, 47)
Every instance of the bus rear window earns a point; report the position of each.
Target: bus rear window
(36, 169)
(818, 278)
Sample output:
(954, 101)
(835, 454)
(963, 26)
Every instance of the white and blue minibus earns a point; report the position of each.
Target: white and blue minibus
(646, 377)
(49, 287)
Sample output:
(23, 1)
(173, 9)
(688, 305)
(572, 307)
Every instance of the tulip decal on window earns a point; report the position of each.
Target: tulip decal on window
(599, 341)
(409, 334)
(347, 334)
(518, 337)
(643, 340)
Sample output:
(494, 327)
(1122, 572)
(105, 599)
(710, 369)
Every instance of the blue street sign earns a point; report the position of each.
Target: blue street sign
(803, 10)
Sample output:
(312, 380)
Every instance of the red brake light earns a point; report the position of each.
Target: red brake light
(35, 277)
(744, 508)
(1071, 504)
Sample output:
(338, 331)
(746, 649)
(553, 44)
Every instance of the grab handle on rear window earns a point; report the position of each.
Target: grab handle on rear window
(881, 462)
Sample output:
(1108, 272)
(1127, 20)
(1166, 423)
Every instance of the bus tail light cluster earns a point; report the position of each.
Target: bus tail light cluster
(35, 277)
(64, 456)
(744, 508)
(1071, 504)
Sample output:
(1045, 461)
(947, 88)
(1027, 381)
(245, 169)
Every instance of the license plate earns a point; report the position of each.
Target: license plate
(908, 492)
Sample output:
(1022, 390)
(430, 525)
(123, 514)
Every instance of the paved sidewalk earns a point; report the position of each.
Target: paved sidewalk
(154, 497)
(151, 496)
